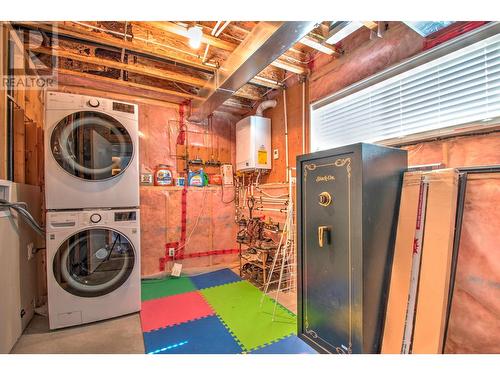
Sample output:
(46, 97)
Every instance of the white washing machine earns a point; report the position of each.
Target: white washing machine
(93, 265)
(91, 152)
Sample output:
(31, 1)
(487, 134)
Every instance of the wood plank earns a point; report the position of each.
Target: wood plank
(372, 25)
(40, 156)
(399, 286)
(135, 68)
(313, 43)
(19, 146)
(289, 67)
(3, 103)
(31, 163)
(434, 282)
(126, 83)
(148, 49)
(174, 29)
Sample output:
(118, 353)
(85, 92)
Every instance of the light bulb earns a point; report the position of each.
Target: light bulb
(194, 34)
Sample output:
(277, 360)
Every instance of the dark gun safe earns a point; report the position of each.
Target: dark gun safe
(347, 207)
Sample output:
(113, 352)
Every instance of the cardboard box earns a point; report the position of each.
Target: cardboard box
(434, 283)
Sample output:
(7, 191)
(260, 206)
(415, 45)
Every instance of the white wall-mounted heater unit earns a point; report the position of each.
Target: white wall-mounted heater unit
(253, 144)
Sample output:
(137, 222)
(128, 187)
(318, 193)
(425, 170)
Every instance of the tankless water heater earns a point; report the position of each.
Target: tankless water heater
(253, 144)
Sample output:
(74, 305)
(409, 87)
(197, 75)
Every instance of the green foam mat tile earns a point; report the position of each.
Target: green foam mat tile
(151, 289)
(238, 305)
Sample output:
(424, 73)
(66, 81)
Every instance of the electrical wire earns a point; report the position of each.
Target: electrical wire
(196, 222)
(21, 209)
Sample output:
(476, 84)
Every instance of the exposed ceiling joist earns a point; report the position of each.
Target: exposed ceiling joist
(313, 43)
(146, 49)
(289, 67)
(178, 30)
(248, 92)
(372, 25)
(266, 42)
(135, 68)
(126, 83)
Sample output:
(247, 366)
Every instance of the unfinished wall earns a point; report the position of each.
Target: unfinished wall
(209, 222)
(362, 58)
(294, 108)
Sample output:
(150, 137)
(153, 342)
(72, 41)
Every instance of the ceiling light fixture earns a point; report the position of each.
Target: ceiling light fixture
(343, 30)
(194, 34)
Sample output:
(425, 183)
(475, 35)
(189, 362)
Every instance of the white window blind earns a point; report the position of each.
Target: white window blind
(459, 88)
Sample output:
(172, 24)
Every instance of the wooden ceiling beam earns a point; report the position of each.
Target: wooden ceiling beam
(297, 69)
(134, 68)
(174, 29)
(126, 83)
(314, 44)
(372, 25)
(147, 49)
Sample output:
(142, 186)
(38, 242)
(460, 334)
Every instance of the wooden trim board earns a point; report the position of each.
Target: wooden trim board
(402, 264)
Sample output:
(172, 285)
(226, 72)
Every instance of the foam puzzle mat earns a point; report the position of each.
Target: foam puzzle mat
(215, 313)
(151, 289)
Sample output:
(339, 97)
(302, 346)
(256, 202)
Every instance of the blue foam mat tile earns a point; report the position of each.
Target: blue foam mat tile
(216, 278)
(203, 336)
(289, 345)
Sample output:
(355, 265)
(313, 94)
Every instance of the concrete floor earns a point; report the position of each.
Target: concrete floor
(121, 335)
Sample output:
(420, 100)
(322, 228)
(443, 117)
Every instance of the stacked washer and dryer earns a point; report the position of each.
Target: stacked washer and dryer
(92, 202)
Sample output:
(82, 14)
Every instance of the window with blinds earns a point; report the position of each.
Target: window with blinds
(462, 87)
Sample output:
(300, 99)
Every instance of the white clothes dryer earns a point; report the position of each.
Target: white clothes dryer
(91, 152)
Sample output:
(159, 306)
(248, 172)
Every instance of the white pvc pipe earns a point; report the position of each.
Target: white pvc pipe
(304, 116)
(286, 133)
(221, 29)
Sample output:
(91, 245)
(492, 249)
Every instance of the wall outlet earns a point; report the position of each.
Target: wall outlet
(276, 154)
(30, 248)
(171, 251)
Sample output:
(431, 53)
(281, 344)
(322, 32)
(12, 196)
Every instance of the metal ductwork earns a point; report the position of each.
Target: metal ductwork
(265, 105)
(267, 42)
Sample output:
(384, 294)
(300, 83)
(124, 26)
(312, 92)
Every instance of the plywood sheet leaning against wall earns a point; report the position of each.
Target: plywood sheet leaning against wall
(475, 311)
(402, 264)
(435, 270)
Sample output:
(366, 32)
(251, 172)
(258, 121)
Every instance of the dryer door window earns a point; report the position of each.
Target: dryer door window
(91, 145)
(94, 262)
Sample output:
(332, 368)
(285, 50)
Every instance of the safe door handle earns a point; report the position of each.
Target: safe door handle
(324, 231)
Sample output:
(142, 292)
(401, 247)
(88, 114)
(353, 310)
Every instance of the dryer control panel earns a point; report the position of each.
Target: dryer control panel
(119, 218)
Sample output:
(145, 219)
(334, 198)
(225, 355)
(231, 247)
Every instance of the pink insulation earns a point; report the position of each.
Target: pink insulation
(209, 222)
(474, 324)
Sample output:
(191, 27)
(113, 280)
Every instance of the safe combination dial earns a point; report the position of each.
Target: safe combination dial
(325, 199)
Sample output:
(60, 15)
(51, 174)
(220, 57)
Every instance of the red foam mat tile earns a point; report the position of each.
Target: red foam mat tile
(173, 310)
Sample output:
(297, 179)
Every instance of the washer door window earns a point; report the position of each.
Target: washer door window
(91, 145)
(94, 262)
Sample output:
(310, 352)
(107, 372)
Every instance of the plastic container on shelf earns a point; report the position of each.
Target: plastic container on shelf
(180, 181)
(163, 175)
(215, 179)
(197, 178)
